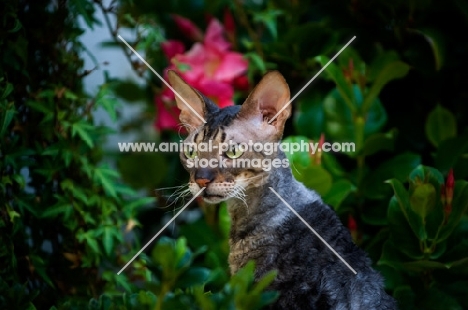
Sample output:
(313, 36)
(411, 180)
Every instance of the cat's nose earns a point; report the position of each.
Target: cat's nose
(204, 176)
(202, 182)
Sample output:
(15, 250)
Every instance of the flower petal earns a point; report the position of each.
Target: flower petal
(221, 93)
(188, 28)
(232, 65)
(166, 118)
(171, 48)
(214, 36)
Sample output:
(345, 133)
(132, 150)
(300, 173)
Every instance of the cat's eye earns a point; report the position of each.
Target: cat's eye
(234, 152)
(190, 152)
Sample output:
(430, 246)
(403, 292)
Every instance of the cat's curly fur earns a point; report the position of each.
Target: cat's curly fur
(310, 276)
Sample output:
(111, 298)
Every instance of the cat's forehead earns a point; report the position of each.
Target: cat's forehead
(224, 124)
(242, 130)
(216, 124)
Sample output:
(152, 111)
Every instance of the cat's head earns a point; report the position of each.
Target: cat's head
(213, 151)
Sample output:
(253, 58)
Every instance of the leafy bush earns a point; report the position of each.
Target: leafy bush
(73, 214)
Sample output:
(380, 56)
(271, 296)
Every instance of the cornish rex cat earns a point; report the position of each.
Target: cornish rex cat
(264, 229)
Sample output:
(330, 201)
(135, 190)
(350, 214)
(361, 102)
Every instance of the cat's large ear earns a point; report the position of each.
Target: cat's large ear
(193, 107)
(268, 99)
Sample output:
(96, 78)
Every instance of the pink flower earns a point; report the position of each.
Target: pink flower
(353, 229)
(229, 23)
(449, 185)
(209, 66)
(241, 83)
(167, 112)
(171, 48)
(188, 28)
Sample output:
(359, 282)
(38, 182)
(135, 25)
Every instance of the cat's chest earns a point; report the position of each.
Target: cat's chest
(258, 246)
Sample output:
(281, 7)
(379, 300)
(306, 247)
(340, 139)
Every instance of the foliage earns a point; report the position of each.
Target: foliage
(73, 214)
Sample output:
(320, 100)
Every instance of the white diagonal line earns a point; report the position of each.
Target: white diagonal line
(313, 230)
(161, 78)
(160, 231)
(302, 89)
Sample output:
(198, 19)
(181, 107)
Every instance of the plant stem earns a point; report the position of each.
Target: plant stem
(359, 123)
(243, 18)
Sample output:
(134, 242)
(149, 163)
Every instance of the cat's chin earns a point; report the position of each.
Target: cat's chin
(214, 199)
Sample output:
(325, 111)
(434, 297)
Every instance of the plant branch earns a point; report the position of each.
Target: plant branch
(114, 32)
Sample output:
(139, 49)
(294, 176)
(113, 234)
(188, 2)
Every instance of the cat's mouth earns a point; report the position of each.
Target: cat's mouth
(211, 198)
(213, 193)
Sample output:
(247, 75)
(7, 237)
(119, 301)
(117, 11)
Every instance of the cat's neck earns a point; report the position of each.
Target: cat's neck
(262, 203)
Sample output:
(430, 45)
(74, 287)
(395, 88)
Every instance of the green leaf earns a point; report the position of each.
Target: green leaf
(416, 222)
(268, 18)
(398, 167)
(128, 90)
(423, 199)
(378, 142)
(57, 209)
(107, 239)
(264, 282)
(338, 192)
(436, 40)
(345, 88)
(314, 177)
(7, 118)
(105, 177)
(450, 151)
(440, 125)
(401, 234)
(298, 159)
(257, 61)
(331, 164)
(341, 124)
(109, 103)
(380, 62)
(92, 243)
(309, 117)
(348, 55)
(40, 267)
(193, 276)
(140, 202)
(143, 170)
(8, 89)
(40, 106)
(424, 174)
(17, 26)
(83, 130)
(68, 94)
(392, 71)
(424, 265)
(84, 8)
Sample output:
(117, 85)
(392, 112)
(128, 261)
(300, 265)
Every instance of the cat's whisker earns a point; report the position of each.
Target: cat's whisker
(186, 125)
(181, 196)
(170, 187)
(293, 166)
(239, 193)
(181, 192)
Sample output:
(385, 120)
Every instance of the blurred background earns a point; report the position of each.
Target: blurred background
(75, 209)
